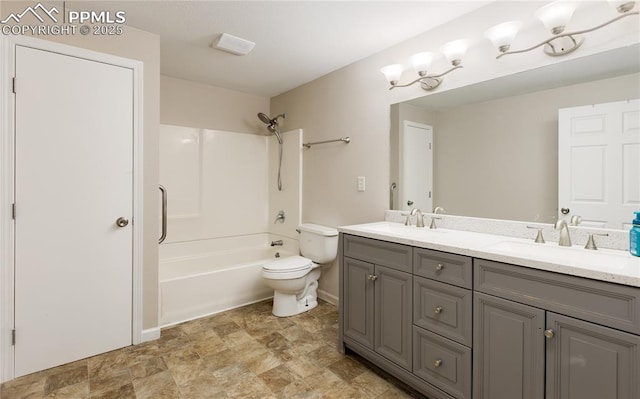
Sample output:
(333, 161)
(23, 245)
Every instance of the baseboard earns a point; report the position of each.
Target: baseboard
(325, 296)
(150, 334)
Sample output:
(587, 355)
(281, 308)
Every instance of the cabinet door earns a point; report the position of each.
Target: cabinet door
(358, 304)
(588, 361)
(508, 344)
(393, 305)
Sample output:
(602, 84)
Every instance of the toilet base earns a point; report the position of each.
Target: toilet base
(285, 305)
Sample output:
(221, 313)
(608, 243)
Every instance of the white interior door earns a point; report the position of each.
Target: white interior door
(73, 179)
(599, 163)
(416, 171)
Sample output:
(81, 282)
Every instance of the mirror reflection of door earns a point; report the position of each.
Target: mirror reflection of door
(416, 167)
(599, 163)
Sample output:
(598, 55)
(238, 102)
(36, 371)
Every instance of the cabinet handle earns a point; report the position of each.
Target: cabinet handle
(437, 363)
(549, 333)
(439, 267)
(438, 310)
(372, 277)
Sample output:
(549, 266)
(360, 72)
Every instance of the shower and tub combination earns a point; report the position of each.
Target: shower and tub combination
(222, 212)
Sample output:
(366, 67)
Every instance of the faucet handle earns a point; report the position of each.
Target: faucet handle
(539, 238)
(433, 222)
(407, 221)
(575, 220)
(591, 243)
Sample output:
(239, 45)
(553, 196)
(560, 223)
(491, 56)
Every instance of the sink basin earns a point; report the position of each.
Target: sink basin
(575, 255)
(400, 229)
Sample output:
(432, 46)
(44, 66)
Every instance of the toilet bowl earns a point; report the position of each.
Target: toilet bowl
(294, 279)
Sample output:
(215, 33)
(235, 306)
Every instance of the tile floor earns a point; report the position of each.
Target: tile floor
(242, 353)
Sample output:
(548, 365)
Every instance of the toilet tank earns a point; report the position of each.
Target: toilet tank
(318, 243)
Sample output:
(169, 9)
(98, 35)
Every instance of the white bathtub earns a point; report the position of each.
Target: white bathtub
(210, 276)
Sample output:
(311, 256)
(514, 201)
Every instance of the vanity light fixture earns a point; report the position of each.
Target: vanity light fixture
(421, 62)
(555, 17)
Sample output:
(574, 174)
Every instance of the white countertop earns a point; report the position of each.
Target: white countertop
(604, 264)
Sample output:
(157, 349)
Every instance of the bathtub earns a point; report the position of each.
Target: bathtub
(210, 276)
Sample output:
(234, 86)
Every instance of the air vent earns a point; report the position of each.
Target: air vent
(233, 44)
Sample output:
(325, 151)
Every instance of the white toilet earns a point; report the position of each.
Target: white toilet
(294, 279)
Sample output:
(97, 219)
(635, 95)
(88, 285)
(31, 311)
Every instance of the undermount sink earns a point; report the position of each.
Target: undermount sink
(552, 252)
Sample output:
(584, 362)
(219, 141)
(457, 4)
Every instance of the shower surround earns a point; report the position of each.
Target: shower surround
(222, 203)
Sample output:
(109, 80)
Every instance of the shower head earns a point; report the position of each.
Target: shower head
(264, 118)
(272, 124)
(269, 121)
(274, 129)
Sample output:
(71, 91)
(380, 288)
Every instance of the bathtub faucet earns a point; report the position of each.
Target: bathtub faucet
(278, 243)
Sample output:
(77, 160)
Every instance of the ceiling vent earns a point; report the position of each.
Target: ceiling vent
(233, 44)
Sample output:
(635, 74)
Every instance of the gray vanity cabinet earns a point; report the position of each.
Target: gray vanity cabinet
(508, 360)
(585, 360)
(358, 301)
(427, 316)
(378, 298)
(521, 338)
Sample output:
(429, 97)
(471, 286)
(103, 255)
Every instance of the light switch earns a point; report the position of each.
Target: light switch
(361, 183)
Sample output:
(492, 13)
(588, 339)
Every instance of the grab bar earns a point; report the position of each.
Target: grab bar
(164, 214)
(393, 187)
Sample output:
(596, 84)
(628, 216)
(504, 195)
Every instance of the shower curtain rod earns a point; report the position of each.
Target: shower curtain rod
(346, 140)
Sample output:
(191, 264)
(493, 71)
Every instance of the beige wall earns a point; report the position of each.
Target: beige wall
(191, 104)
(354, 101)
(499, 159)
(143, 46)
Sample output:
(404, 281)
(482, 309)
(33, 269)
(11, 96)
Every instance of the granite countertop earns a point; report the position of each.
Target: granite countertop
(609, 265)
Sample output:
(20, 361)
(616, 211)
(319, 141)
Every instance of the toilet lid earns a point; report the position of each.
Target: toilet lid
(288, 264)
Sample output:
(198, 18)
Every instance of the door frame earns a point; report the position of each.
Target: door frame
(7, 150)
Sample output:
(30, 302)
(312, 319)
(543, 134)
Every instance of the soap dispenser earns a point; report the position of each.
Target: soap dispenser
(634, 236)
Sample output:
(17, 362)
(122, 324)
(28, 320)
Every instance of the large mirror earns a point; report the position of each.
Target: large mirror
(492, 149)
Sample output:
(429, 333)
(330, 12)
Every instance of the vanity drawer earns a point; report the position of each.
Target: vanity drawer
(442, 266)
(443, 308)
(442, 362)
(396, 256)
(612, 305)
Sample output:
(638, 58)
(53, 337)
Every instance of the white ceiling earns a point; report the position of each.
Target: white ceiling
(296, 41)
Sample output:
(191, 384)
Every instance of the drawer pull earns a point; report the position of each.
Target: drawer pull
(439, 267)
(372, 277)
(549, 333)
(438, 310)
(437, 363)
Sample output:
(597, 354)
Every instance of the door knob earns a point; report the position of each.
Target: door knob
(439, 267)
(437, 363)
(438, 310)
(122, 222)
(549, 333)
(372, 277)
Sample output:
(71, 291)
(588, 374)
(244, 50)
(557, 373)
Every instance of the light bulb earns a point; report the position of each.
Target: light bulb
(422, 62)
(555, 16)
(392, 73)
(502, 35)
(622, 6)
(454, 51)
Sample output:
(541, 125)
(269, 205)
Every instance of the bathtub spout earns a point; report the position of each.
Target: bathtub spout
(277, 243)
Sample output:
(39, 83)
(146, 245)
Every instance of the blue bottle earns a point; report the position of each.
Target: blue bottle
(634, 236)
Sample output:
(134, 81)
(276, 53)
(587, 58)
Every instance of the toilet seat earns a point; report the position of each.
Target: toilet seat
(287, 268)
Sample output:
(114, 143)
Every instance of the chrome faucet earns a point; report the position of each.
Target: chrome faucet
(565, 239)
(436, 210)
(419, 217)
(278, 243)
